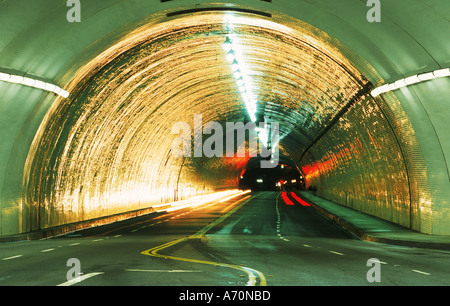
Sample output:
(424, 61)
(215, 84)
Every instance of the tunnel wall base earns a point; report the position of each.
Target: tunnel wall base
(67, 228)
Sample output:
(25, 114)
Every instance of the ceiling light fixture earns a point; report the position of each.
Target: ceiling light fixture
(17, 79)
(440, 73)
(241, 79)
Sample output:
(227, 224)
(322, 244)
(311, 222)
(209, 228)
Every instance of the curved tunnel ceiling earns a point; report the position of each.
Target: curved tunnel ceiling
(113, 134)
(133, 71)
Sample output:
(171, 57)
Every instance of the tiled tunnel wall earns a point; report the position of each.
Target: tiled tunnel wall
(360, 164)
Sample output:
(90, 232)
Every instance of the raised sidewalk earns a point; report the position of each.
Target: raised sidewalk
(371, 228)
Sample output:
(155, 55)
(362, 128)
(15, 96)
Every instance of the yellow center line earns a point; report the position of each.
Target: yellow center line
(252, 273)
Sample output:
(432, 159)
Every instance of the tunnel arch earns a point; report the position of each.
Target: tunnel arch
(377, 144)
(106, 149)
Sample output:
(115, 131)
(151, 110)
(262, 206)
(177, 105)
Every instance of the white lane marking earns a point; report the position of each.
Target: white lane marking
(164, 271)
(117, 236)
(135, 230)
(279, 222)
(78, 279)
(308, 246)
(251, 278)
(76, 243)
(96, 240)
(47, 250)
(337, 253)
(12, 257)
(421, 272)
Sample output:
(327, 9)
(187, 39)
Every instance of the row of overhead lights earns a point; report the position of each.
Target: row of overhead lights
(234, 58)
(18, 79)
(440, 73)
(241, 79)
(250, 103)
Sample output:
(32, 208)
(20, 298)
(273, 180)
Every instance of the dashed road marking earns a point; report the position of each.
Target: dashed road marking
(279, 222)
(337, 253)
(164, 271)
(12, 257)
(421, 272)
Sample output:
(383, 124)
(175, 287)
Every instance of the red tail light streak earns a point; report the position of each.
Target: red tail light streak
(303, 203)
(286, 198)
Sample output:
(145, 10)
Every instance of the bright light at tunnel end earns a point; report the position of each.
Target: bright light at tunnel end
(440, 73)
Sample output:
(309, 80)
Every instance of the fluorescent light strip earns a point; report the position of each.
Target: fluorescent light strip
(440, 73)
(244, 89)
(17, 79)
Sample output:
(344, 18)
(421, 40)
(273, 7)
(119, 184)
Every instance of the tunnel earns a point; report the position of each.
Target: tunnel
(97, 138)
(285, 175)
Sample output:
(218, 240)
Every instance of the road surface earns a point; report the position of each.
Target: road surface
(255, 239)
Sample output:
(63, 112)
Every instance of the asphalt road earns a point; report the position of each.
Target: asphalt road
(255, 239)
